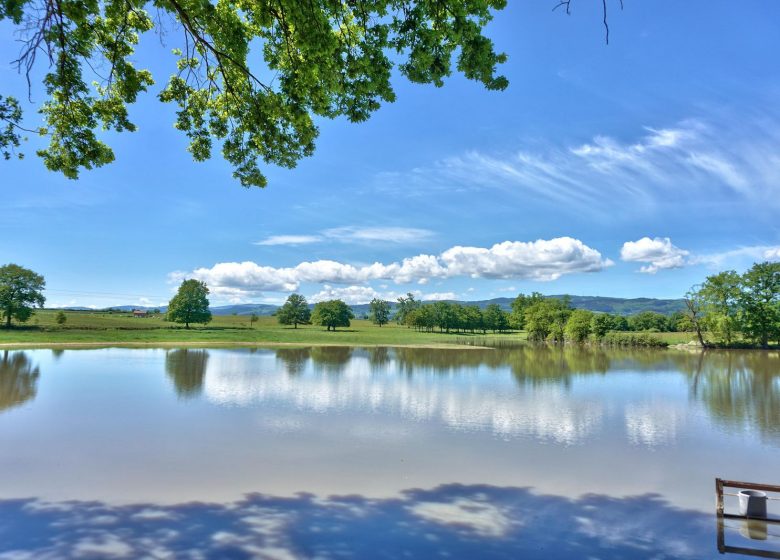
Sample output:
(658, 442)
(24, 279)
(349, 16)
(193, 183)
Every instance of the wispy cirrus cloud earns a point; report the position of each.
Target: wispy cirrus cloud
(289, 240)
(541, 260)
(352, 234)
(685, 161)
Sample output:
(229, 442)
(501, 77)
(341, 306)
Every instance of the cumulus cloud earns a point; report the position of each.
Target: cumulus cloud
(351, 234)
(659, 252)
(541, 260)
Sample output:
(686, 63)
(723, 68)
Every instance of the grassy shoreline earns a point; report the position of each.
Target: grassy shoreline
(96, 329)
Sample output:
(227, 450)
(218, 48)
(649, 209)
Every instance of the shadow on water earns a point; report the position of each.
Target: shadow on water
(455, 521)
(187, 368)
(18, 379)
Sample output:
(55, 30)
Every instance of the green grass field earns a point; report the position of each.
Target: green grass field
(99, 327)
(123, 328)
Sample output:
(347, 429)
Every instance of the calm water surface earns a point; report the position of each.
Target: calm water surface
(381, 453)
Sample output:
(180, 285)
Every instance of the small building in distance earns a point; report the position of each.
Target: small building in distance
(139, 313)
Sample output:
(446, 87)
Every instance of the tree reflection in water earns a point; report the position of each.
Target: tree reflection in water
(293, 359)
(187, 367)
(18, 379)
(740, 389)
(331, 359)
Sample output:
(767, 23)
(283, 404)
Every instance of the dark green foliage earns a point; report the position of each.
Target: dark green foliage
(546, 319)
(250, 78)
(379, 312)
(60, 318)
(332, 314)
(760, 303)
(578, 327)
(649, 321)
(496, 319)
(10, 117)
(519, 306)
(21, 290)
(600, 325)
(295, 311)
(190, 304)
(406, 305)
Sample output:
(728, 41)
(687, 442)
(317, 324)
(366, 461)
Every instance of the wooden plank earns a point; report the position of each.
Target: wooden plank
(750, 552)
(747, 485)
(743, 517)
(719, 496)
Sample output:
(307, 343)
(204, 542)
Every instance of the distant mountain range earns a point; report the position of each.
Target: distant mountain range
(617, 306)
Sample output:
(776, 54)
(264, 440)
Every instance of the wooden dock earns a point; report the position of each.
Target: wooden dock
(723, 548)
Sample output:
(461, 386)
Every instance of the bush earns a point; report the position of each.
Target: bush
(60, 318)
(633, 339)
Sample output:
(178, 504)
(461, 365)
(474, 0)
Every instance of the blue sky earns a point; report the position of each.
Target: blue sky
(628, 170)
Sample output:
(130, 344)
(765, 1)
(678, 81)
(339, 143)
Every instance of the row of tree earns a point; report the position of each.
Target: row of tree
(728, 306)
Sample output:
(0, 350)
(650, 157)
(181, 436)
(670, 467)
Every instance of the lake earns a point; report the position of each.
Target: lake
(336, 452)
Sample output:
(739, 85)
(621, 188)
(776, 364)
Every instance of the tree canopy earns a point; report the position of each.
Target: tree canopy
(379, 311)
(21, 290)
(295, 311)
(248, 78)
(332, 314)
(190, 304)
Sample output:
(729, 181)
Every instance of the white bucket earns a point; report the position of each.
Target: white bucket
(752, 503)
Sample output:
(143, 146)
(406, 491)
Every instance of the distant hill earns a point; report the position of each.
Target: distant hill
(617, 306)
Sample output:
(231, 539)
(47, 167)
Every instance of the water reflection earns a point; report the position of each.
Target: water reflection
(293, 360)
(18, 379)
(186, 368)
(457, 521)
(458, 387)
(740, 389)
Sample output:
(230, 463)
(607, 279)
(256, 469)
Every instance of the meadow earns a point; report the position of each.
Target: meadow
(109, 328)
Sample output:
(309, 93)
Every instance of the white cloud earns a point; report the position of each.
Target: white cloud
(659, 252)
(438, 296)
(740, 256)
(663, 165)
(289, 240)
(772, 254)
(541, 260)
(351, 234)
(387, 234)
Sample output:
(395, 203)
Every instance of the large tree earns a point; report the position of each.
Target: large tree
(21, 290)
(248, 78)
(760, 299)
(332, 314)
(406, 306)
(190, 304)
(720, 294)
(295, 311)
(379, 311)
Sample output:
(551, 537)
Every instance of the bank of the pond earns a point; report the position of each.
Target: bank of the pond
(122, 329)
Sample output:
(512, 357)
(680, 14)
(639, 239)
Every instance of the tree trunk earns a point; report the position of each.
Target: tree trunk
(295, 325)
(7, 318)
